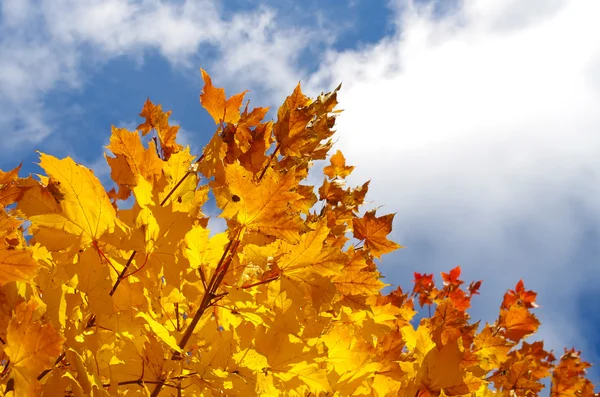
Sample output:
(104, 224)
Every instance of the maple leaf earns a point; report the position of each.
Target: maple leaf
(32, 347)
(518, 322)
(568, 377)
(359, 283)
(519, 296)
(373, 231)
(452, 277)
(338, 167)
(441, 370)
(159, 120)
(261, 206)
(10, 189)
(132, 159)
(85, 209)
(17, 265)
(213, 100)
(204, 252)
(293, 116)
(424, 287)
(491, 349)
(524, 369)
(10, 176)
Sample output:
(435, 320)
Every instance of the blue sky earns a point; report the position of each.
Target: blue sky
(477, 121)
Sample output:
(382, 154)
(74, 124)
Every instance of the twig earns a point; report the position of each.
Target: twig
(246, 286)
(269, 162)
(114, 288)
(175, 188)
(46, 371)
(180, 182)
(208, 297)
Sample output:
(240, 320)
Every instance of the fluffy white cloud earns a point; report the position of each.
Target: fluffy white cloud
(481, 130)
(44, 45)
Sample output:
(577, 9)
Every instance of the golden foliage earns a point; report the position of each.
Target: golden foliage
(103, 300)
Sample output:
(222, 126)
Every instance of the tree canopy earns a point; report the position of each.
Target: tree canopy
(127, 292)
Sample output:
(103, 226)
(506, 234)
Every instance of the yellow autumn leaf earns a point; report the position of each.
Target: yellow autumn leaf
(85, 208)
(202, 251)
(32, 347)
(17, 265)
(358, 282)
(264, 206)
(250, 359)
(132, 159)
(161, 331)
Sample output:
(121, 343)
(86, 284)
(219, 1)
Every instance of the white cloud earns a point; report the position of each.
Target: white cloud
(481, 130)
(265, 56)
(44, 45)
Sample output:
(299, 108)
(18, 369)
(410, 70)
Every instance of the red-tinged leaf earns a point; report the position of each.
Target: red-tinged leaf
(452, 277)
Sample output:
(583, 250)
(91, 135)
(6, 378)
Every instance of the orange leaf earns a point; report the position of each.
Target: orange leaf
(452, 277)
(213, 100)
(520, 296)
(338, 167)
(568, 378)
(10, 176)
(374, 231)
(260, 206)
(159, 120)
(518, 322)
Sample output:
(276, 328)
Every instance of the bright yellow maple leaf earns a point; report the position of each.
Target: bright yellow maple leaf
(132, 159)
(202, 251)
(85, 209)
(176, 170)
(359, 283)
(17, 265)
(32, 347)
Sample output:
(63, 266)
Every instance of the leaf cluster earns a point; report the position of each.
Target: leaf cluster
(127, 292)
